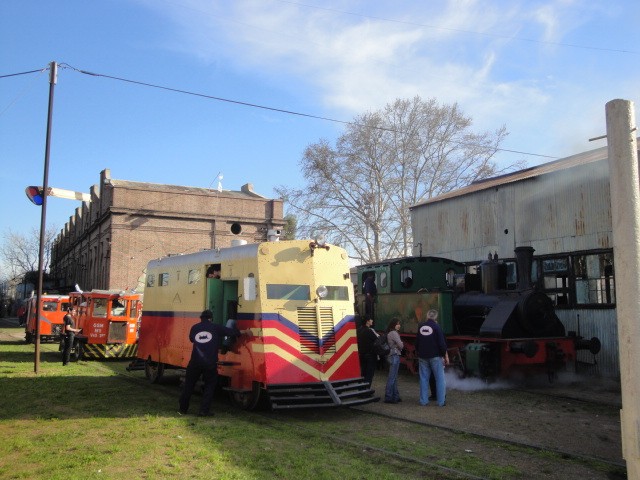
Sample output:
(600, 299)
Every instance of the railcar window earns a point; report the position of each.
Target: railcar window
(49, 306)
(163, 280)
(594, 279)
(118, 308)
(151, 280)
(337, 293)
(406, 277)
(278, 291)
(133, 310)
(64, 306)
(383, 279)
(194, 276)
(100, 307)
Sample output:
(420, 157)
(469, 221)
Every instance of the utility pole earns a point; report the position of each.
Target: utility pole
(625, 219)
(53, 78)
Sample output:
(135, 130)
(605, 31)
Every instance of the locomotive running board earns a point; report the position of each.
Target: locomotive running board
(343, 393)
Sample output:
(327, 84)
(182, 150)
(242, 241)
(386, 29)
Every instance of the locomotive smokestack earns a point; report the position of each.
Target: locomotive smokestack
(524, 261)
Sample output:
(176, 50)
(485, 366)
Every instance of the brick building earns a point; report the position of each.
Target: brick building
(110, 239)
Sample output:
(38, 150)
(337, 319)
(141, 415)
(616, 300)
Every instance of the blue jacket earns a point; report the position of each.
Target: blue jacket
(430, 341)
(206, 338)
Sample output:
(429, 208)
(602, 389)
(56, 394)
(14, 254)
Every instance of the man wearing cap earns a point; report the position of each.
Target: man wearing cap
(205, 337)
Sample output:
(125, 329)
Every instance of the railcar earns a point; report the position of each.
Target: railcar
(50, 314)
(295, 297)
(492, 330)
(109, 322)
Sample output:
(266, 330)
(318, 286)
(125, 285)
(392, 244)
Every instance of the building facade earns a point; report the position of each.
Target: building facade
(563, 210)
(109, 240)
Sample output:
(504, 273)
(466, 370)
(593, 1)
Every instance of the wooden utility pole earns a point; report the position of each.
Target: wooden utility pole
(624, 181)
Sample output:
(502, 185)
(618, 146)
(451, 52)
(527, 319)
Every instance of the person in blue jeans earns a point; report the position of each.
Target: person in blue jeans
(431, 348)
(391, 393)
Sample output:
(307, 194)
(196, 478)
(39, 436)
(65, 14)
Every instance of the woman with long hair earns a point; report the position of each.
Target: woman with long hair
(391, 394)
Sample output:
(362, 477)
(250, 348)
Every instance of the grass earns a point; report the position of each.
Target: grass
(89, 420)
(86, 420)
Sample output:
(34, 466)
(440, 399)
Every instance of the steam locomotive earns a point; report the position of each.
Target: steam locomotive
(492, 330)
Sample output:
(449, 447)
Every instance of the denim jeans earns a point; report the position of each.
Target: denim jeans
(426, 366)
(391, 391)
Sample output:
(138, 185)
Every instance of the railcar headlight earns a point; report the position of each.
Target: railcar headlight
(322, 291)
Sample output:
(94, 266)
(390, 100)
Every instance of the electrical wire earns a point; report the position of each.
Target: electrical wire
(275, 109)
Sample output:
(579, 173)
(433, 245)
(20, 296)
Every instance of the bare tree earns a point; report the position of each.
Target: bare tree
(359, 191)
(20, 253)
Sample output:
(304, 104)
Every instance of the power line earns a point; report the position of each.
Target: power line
(23, 73)
(274, 109)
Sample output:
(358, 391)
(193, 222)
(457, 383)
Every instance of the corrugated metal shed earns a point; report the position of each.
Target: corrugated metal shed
(560, 207)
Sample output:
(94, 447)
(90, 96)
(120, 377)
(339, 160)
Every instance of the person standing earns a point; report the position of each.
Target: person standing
(368, 357)
(431, 348)
(370, 292)
(391, 393)
(69, 335)
(206, 338)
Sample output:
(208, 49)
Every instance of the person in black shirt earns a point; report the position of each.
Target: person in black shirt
(206, 338)
(368, 358)
(68, 335)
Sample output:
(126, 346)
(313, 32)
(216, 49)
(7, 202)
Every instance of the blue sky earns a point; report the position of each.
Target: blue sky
(545, 69)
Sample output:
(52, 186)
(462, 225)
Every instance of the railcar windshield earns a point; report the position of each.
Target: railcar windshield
(50, 306)
(278, 291)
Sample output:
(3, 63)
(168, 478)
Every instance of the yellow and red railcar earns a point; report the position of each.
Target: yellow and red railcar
(294, 296)
(109, 322)
(50, 314)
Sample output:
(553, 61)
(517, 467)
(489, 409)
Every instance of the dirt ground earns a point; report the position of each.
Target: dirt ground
(576, 415)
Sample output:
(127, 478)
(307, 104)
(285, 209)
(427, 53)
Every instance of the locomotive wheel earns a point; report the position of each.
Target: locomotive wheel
(153, 371)
(247, 400)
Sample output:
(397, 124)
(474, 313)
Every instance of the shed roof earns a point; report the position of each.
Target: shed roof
(527, 173)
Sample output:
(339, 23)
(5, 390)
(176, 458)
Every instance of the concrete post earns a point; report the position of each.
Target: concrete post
(625, 214)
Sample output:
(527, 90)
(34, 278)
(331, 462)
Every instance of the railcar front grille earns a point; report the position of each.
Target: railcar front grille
(117, 332)
(316, 329)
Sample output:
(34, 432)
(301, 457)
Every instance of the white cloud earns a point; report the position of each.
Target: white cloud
(356, 63)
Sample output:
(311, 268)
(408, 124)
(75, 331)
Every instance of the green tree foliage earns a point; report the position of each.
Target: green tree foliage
(359, 191)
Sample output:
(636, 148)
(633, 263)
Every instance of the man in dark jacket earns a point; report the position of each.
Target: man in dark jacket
(370, 293)
(431, 348)
(206, 338)
(368, 358)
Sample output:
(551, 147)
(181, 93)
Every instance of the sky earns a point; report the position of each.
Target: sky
(543, 69)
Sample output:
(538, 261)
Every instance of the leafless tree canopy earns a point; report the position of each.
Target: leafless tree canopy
(358, 192)
(20, 252)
